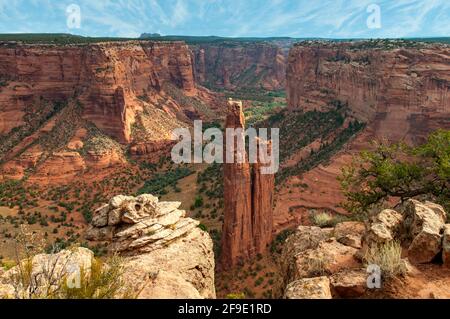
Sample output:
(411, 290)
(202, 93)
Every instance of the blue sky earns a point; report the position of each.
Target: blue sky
(295, 18)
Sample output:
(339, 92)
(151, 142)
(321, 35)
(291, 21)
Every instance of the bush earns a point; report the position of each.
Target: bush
(236, 296)
(198, 202)
(388, 257)
(322, 220)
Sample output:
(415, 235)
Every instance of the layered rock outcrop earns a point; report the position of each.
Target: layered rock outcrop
(402, 88)
(156, 238)
(240, 65)
(109, 79)
(248, 198)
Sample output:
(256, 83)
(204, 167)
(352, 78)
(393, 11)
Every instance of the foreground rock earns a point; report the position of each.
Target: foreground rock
(164, 250)
(163, 254)
(313, 252)
(309, 288)
(46, 273)
(314, 259)
(424, 222)
(350, 283)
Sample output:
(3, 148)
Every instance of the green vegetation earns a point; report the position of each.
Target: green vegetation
(158, 184)
(298, 130)
(35, 117)
(401, 171)
(277, 244)
(98, 143)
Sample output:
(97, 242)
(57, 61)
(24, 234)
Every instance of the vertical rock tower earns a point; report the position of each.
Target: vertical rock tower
(248, 199)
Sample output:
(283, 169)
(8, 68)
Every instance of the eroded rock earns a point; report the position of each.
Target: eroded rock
(309, 288)
(164, 251)
(424, 223)
(350, 233)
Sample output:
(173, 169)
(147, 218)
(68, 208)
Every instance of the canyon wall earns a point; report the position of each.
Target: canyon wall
(243, 65)
(248, 200)
(109, 79)
(401, 88)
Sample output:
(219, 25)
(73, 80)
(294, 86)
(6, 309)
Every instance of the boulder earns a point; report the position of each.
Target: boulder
(349, 283)
(190, 259)
(350, 233)
(309, 288)
(118, 201)
(384, 228)
(99, 234)
(446, 246)
(163, 250)
(100, 216)
(327, 258)
(304, 238)
(424, 223)
(114, 216)
(168, 285)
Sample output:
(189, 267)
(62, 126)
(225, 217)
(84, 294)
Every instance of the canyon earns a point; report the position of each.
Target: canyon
(81, 123)
(232, 66)
(401, 89)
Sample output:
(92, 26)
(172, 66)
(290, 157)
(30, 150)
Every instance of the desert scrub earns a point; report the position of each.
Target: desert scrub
(388, 257)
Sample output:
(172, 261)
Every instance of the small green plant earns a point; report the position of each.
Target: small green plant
(236, 296)
(198, 202)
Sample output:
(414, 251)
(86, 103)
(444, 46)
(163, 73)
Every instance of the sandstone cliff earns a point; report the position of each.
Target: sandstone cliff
(57, 101)
(107, 78)
(400, 87)
(232, 65)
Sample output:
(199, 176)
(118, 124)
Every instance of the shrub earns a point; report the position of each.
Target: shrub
(198, 202)
(236, 296)
(388, 257)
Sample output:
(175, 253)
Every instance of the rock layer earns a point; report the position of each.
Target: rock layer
(108, 78)
(236, 66)
(403, 90)
(157, 239)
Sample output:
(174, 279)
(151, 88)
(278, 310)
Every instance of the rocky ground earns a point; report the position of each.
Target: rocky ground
(332, 262)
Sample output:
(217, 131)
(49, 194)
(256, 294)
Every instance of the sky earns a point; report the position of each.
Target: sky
(232, 18)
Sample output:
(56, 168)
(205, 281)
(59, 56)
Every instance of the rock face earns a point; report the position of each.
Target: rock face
(244, 65)
(402, 90)
(107, 78)
(425, 222)
(248, 198)
(156, 238)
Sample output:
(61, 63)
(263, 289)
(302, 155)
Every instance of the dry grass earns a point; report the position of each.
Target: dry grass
(388, 257)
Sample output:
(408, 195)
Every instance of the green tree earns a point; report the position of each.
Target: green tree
(399, 171)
